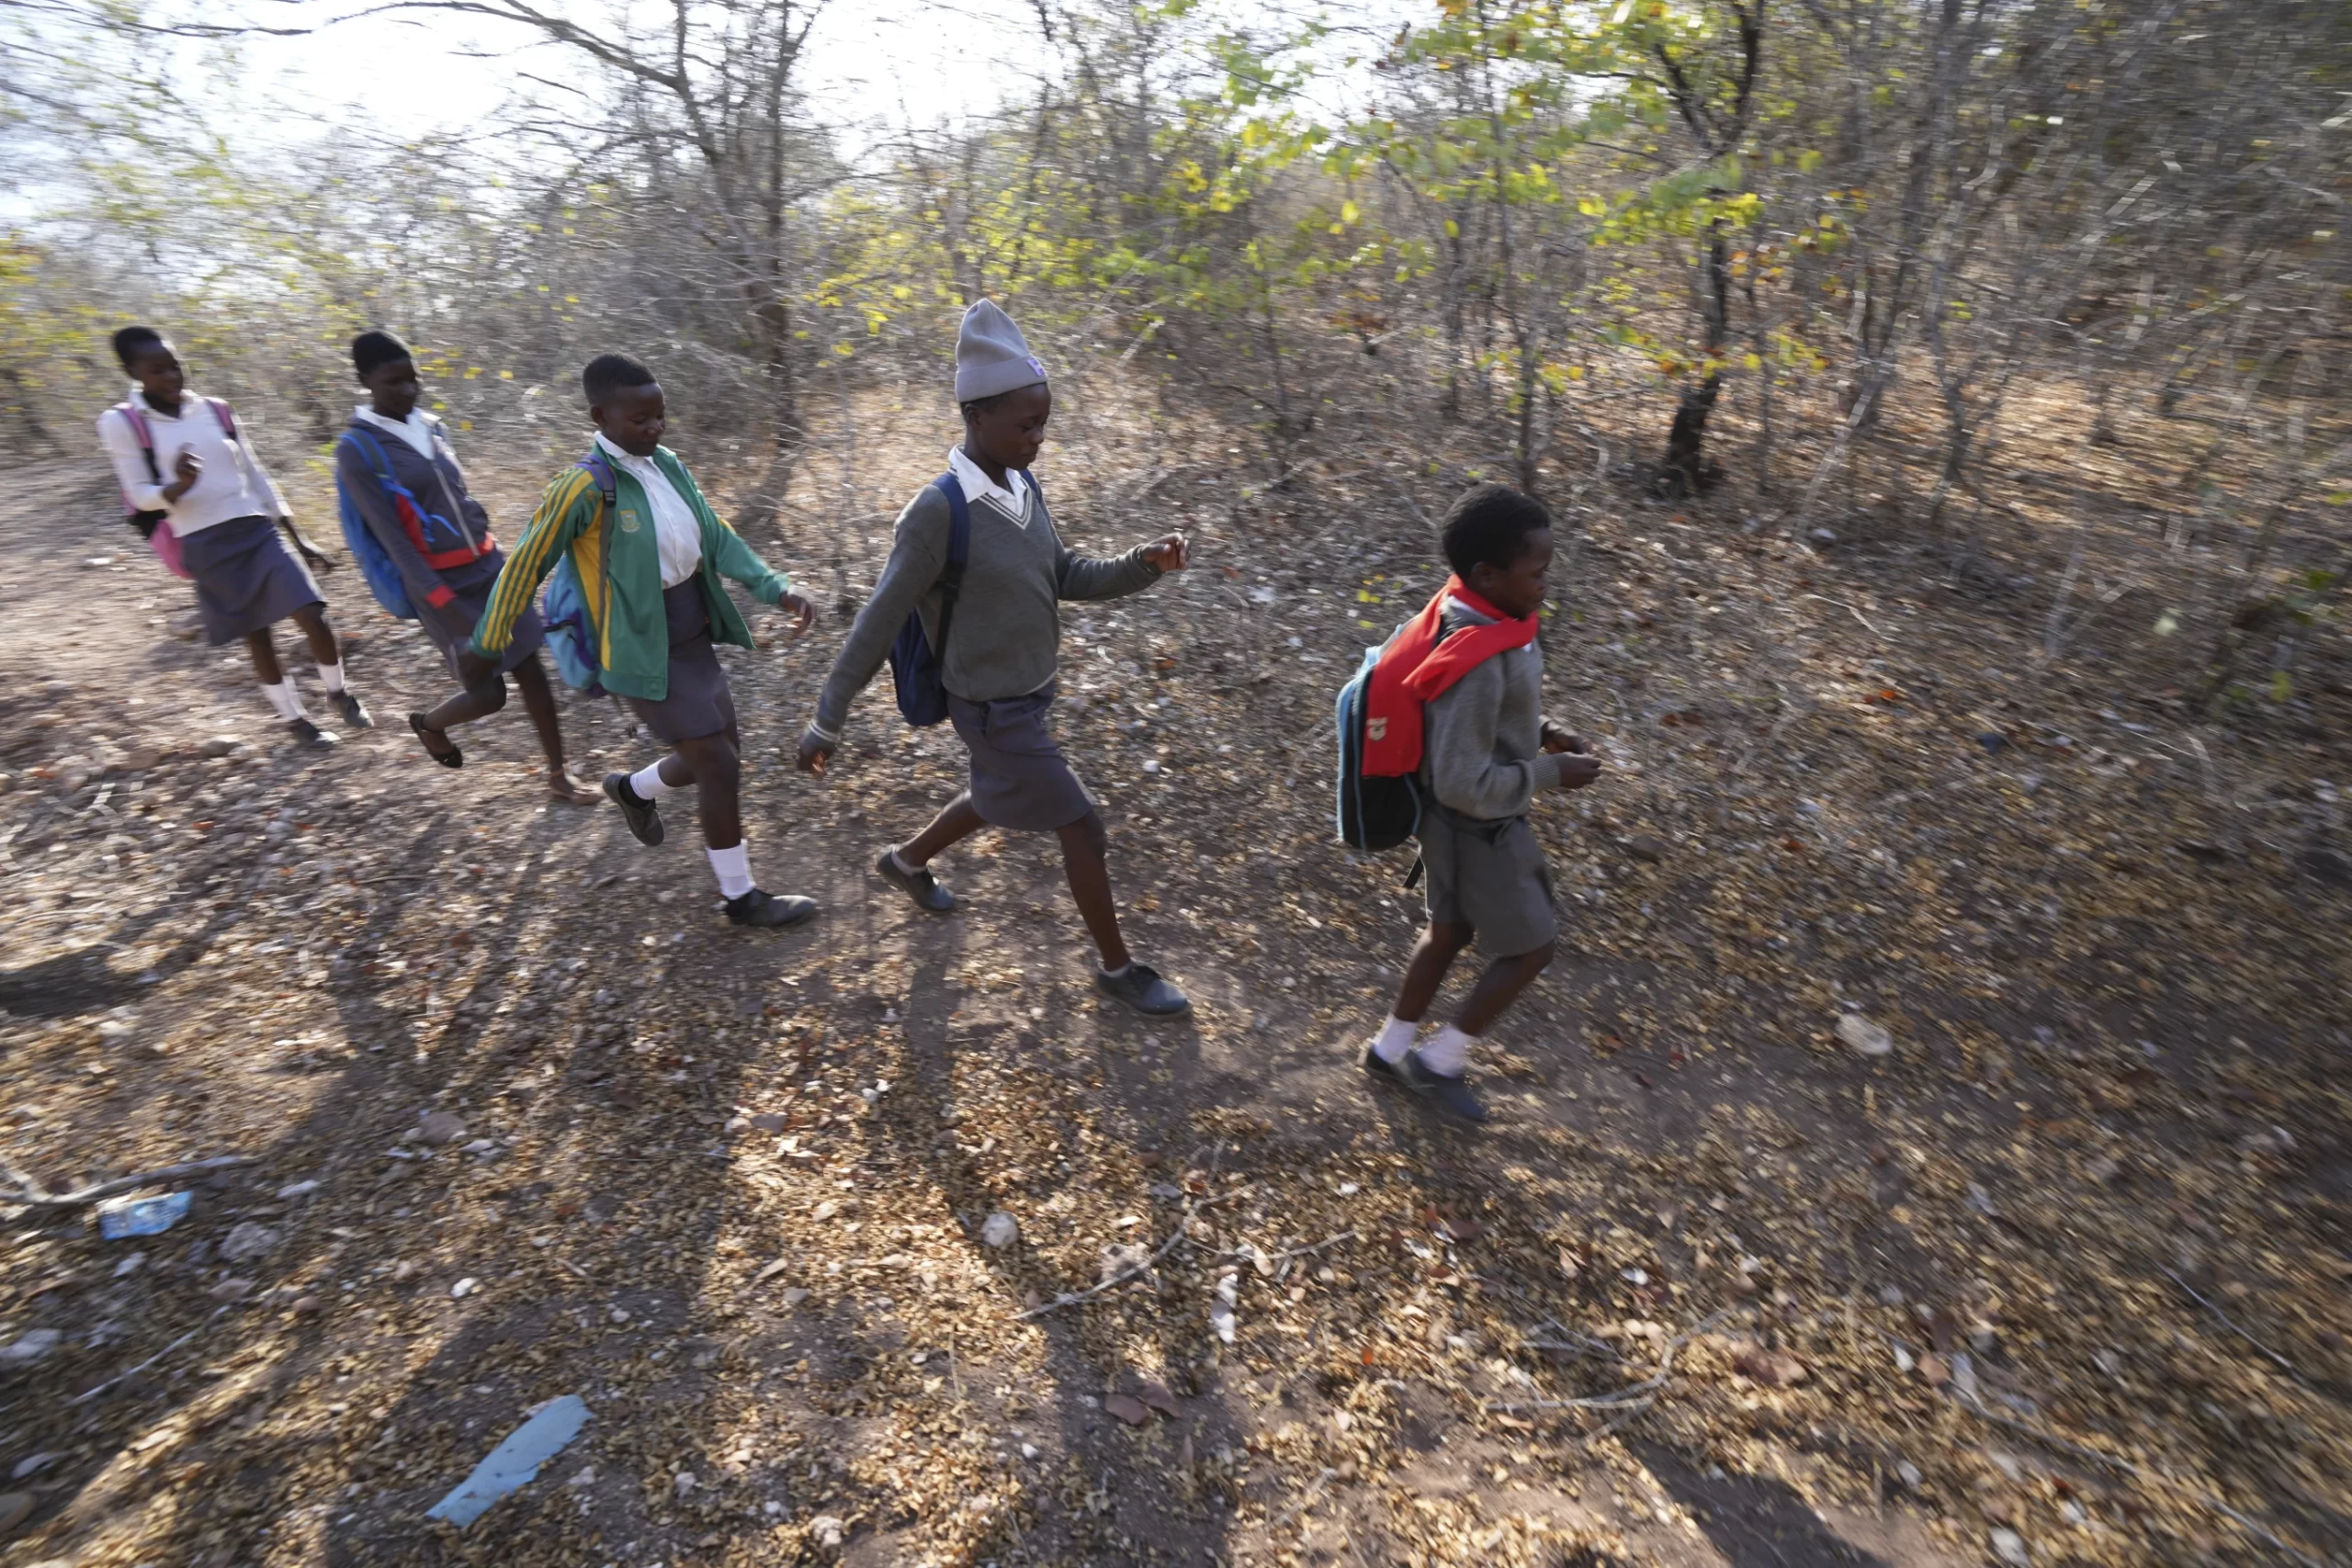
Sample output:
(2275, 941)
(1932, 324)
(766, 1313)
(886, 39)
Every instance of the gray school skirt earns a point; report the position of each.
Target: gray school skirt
(699, 702)
(1490, 876)
(451, 626)
(247, 579)
(1020, 778)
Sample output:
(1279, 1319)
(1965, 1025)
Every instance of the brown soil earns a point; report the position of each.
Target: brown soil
(2104, 1164)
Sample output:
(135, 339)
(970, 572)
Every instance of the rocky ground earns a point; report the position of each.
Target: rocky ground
(2060, 1277)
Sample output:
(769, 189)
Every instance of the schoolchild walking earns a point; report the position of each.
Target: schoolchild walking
(401, 482)
(976, 560)
(185, 469)
(1473, 661)
(649, 556)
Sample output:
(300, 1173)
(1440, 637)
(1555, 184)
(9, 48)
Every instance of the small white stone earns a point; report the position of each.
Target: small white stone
(1000, 1231)
(1863, 1037)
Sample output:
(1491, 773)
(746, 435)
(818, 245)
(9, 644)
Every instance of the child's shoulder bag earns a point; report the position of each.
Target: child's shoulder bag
(148, 519)
(1381, 717)
(570, 635)
(917, 669)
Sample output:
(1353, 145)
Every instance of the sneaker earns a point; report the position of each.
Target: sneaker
(1142, 989)
(354, 712)
(918, 885)
(758, 908)
(643, 816)
(1452, 1093)
(309, 736)
(1380, 1067)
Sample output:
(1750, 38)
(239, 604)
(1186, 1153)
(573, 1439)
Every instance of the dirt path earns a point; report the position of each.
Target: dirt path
(729, 1188)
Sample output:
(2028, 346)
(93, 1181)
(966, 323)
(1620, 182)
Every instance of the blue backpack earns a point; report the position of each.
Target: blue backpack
(375, 562)
(572, 637)
(917, 668)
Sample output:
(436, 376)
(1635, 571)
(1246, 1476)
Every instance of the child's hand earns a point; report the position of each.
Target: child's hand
(1558, 739)
(1577, 770)
(802, 613)
(189, 469)
(1170, 554)
(815, 752)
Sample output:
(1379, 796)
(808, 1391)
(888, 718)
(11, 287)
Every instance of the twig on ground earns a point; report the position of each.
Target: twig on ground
(1617, 1399)
(1250, 1254)
(1183, 1228)
(2284, 1365)
(2067, 1445)
(29, 1193)
(128, 1372)
(1842, 604)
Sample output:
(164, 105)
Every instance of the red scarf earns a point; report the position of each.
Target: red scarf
(1419, 665)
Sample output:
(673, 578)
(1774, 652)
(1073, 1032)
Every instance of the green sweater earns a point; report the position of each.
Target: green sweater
(624, 610)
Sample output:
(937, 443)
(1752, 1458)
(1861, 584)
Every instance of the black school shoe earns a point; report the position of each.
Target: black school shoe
(766, 909)
(918, 885)
(354, 712)
(1380, 1067)
(309, 736)
(1451, 1093)
(1142, 990)
(643, 816)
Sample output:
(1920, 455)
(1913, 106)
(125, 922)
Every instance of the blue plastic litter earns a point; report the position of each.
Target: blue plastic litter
(514, 1462)
(120, 1217)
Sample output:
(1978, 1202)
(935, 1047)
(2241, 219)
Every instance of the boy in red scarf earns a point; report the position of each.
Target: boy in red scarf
(1487, 751)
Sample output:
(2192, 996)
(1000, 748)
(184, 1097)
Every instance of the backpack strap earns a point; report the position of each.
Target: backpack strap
(220, 413)
(599, 470)
(133, 417)
(959, 556)
(381, 467)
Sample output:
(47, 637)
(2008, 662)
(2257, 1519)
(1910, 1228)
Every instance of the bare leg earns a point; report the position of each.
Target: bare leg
(478, 701)
(312, 619)
(1432, 956)
(1085, 857)
(957, 820)
(539, 701)
(1498, 987)
(265, 653)
(716, 769)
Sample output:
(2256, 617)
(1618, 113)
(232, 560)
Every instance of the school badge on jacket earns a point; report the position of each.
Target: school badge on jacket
(628, 521)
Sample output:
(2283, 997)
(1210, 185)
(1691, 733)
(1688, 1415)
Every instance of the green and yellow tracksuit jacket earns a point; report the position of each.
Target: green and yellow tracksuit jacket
(632, 634)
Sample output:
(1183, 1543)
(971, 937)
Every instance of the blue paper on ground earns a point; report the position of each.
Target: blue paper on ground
(514, 1462)
(120, 1217)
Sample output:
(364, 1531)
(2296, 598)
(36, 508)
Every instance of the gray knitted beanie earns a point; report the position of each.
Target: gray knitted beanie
(991, 356)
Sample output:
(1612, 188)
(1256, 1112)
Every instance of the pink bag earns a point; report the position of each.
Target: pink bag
(159, 537)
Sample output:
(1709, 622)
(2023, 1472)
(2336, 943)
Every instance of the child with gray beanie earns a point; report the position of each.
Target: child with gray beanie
(996, 631)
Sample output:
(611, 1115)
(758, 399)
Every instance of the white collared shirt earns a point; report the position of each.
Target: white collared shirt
(1014, 503)
(416, 430)
(675, 527)
(232, 484)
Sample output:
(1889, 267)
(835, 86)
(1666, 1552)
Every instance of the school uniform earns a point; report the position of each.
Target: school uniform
(1483, 762)
(1003, 641)
(651, 577)
(449, 588)
(246, 578)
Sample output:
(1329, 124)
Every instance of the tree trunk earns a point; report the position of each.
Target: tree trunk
(1685, 470)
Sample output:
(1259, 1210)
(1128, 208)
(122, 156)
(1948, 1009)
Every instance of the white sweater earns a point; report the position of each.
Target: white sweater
(233, 483)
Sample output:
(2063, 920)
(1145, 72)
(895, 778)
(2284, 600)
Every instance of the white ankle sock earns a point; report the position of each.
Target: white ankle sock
(900, 861)
(1110, 974)
(1396, 1038)
(330, 676)
(733, 869)
(1449, 1053)
(285, 699)
(649, 784)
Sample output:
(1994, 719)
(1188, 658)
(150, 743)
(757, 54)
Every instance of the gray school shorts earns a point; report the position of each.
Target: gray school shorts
(1490, 876)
